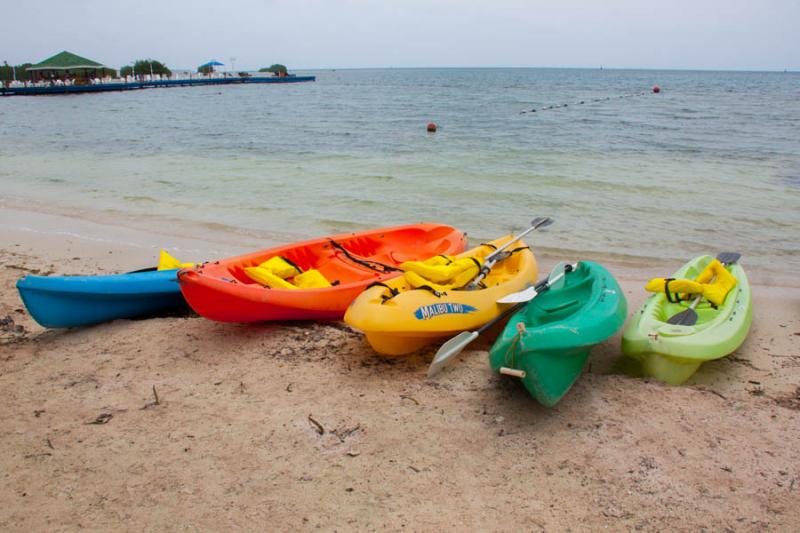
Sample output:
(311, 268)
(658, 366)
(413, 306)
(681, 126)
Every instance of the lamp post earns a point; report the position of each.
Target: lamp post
(233, 66)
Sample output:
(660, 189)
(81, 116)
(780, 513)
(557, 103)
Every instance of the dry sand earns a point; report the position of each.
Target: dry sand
(294, 427)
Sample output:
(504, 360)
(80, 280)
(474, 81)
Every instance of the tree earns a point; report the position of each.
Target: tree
(205, 69)
(145, 66)
(7, 72)
(275, 69)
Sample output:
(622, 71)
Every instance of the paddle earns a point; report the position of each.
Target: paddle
(455, 345)
(497, 255)
(688, 317)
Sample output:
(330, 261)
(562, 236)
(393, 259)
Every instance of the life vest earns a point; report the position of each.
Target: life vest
(441, 272)
(716, 291)
(683, 289)
(276, 272)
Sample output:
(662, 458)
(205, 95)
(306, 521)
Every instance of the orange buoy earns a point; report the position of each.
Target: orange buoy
(431, 127)
(656, 89)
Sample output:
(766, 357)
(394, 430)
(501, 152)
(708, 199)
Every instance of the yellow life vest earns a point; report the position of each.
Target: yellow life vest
(311, 279)
(167, 262)
(276, 271)
(715, 291)
(441, 272)
(281, 267)
(684, 288)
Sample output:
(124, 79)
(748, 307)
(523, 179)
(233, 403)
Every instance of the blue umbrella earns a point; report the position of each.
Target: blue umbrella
(213, 64)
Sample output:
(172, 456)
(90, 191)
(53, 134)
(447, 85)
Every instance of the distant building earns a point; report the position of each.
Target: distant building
(68, 66)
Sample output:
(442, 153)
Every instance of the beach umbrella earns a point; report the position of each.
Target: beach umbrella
(210, 65)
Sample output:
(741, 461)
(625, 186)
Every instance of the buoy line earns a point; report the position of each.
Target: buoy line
(655, 90)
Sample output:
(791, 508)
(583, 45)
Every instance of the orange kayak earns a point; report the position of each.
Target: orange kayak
(227, 290)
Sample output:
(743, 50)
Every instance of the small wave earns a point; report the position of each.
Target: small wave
(342, 225)
(793, 180)
(139, 199)
(378, 178)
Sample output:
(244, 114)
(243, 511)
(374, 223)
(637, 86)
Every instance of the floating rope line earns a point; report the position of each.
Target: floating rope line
(582, 102)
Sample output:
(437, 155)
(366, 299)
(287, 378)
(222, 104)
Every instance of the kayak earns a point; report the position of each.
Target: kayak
(251, 288)
(548, 341)
(71, 301)
(672, 353)
(401, 317)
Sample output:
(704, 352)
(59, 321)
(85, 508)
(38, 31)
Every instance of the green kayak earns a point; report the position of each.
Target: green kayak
(547, 342)
(672, 353)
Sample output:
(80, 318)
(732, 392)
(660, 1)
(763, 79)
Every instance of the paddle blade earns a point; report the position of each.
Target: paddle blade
(687, 317)
(519, 297)
(541, 222)
(449, 350)
(729, 258)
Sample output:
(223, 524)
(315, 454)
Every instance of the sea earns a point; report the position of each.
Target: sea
(710, 163)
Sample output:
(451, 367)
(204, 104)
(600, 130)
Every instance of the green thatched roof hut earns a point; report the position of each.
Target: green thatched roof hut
(65, 63)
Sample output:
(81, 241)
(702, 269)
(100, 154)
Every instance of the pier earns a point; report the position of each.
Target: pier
(39, 90)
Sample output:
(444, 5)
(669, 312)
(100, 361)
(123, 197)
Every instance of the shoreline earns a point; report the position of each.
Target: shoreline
(130, 238)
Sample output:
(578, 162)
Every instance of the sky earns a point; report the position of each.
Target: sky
(305, 34)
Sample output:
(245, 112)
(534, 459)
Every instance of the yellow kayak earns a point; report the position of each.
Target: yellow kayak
(401, 316)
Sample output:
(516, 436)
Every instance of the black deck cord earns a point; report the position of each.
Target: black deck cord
(392, 291)
(365, 262)
(299, 270)
(672, 297)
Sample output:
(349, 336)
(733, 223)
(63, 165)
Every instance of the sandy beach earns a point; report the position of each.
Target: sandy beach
(179, 423)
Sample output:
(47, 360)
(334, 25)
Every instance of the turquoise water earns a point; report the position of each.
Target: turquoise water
(712, 163)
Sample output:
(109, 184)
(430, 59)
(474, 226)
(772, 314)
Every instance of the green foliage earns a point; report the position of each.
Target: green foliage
(7, 72)
(205, 69)
(110, 72)
(276, 68)
(145, 66)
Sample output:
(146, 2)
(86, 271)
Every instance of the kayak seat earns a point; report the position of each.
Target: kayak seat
(559, 304)
(560, 307)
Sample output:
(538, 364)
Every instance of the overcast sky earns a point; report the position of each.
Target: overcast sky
(705, 34)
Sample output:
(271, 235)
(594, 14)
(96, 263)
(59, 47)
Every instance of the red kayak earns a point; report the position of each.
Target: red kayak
(311, 280)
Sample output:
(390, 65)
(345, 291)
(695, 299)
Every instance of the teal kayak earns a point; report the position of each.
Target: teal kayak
(672, 353)
(547, 343)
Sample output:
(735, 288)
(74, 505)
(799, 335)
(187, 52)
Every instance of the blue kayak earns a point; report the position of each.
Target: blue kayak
(70, 301)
